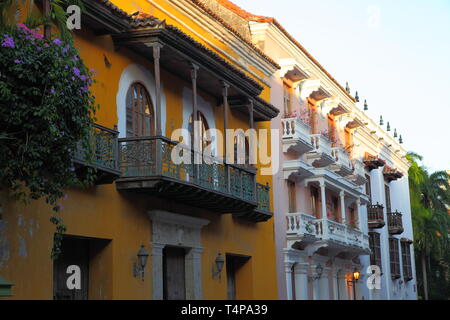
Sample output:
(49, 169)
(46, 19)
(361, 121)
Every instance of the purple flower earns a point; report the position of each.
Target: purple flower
(83, 77)
(17, 61)
(69, 150)
(65, 197)
(73, 78)
(52, 91)
(74, 58)
(65, 50)
(72, 169)
(38, 48)
(57, 41)
(76, 71)
(8, 42)
(46, 45)
(66, 67)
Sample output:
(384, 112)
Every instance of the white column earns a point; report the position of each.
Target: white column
(342, 286)
(301, 281)
(193, 273)
(157, 270)
(335, 285)
(288, 271)
(324, 282)
(324, 200)
(358, 213)
(342, 205)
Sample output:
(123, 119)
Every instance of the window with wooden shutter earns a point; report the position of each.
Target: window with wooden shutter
(292, 197)
(139, 115)
(368, 188)
(387, 192)
(375, 247)
(315, 201)
(406, 261)
(394, 257)
(204, 138)
(287, 99)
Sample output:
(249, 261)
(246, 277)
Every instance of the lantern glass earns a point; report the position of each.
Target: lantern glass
(356, 275)
(220, 261)
(142, 256)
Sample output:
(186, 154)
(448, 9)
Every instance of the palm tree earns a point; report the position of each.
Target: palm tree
(53, 14)
(429, 196)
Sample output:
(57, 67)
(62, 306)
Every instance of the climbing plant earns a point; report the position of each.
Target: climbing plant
(47, 113)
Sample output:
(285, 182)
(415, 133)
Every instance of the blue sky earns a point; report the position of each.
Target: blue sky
(395, 53)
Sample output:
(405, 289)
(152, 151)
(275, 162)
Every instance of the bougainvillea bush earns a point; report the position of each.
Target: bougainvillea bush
(46, 111)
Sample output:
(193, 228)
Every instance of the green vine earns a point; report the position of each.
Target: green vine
(47, 113)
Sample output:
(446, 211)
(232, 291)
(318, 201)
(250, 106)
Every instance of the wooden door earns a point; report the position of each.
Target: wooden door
(174, 284)
(75, 252)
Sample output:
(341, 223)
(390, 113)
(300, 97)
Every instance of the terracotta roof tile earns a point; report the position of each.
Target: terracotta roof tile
(235, 32)
(263, 19)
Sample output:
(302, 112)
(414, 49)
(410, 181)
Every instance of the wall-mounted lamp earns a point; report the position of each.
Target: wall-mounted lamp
(139, 267)
(356, 275)
(219, 262)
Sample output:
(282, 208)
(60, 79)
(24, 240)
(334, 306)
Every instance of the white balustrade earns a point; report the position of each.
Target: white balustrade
(296, 135)
(320, 143)
(301, 224)
(342, 157)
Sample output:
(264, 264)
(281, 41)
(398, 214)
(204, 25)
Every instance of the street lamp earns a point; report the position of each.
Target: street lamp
(356, 275)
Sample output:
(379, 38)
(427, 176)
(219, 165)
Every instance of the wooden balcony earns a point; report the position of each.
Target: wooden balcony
(104, 156)
(395, 223)
(296, 136)
(148, 167)
(375, 216)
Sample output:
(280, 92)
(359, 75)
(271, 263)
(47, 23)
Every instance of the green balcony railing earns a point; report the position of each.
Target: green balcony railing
(139, 159)
(263, 197)
(104, 147)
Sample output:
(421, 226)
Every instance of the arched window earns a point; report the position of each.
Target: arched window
(204, 137)
(239, 141)
(140, 117)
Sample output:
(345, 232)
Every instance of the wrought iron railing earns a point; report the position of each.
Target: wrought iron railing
(103, 144)
(263, 197)
(156, 157)
(395, 223)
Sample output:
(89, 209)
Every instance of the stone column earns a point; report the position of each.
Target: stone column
(288, 271)
(343, 294)
(342, 207)
(157, 270)
(324, 200)
(335, 286)
(324, 282)
(193, 273)
(358, 214)
(301, 281)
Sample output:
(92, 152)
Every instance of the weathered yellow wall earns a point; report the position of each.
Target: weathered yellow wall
(103, 212)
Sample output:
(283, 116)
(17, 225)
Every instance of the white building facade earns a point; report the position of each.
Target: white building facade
(343, 203)
(341, 195)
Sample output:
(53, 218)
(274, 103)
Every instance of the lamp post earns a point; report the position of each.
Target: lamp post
(356, 275)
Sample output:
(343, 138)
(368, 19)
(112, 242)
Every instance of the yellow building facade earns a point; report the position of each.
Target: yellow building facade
(157, 63)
